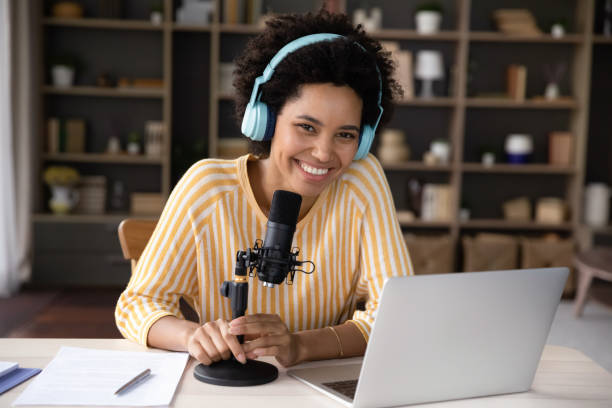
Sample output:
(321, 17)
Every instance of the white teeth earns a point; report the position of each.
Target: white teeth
(312, 170)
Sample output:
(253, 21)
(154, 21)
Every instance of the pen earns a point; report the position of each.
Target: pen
(134, 380)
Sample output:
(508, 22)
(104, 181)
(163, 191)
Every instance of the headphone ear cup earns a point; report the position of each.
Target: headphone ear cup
(255, 121)
(367, 136)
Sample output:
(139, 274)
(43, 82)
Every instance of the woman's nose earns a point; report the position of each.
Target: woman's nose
(323, 149)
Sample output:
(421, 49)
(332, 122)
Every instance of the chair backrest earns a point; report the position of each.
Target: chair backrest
(133, 236)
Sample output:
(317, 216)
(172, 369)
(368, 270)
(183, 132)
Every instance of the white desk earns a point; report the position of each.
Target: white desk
(565, 378)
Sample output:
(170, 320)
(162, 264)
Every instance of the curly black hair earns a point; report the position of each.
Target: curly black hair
(341, 62)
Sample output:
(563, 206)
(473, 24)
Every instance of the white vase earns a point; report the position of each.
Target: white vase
(597, 204)
(63, 199)
(428, 22)
(62, 75)
(552, 91)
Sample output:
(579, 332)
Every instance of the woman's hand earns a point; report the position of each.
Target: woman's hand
(212, 342)
(269, 337)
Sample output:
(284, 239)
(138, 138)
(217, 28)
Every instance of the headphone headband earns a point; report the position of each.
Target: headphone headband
(258, 122)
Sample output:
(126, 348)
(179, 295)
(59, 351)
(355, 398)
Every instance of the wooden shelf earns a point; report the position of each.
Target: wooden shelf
(117, 24)
(240, 28)
(517, 168)
(602, 39)
(494, 36)
(416, 166)
(101, 158)
(481, 102)
(105, 92)
(438, 101)
(191, 27)
(80, 218)
(513, 225)
(400, 34)
(405, 220)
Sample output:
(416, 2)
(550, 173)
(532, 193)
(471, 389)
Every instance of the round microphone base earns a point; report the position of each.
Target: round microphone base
(232, 373)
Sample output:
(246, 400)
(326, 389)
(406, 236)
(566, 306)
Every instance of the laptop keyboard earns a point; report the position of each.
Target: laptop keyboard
(346, 388)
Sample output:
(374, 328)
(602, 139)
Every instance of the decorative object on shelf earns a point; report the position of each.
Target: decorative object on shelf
(393, 147)
(464, 214)
(53, 135)
(558, 28)
(105, 80)
(118, 200)
(441, 150)
(75, 136)
(549, 251)
(554, 74)
(429, 67)
(67, 9)
(157, 13)
(560, 148)
(333, 6)
(428, 18)
(550, 210)
(233, 12)
(517, 209)
(195, 12)
(607, 20)
(403, 67)
(113, 146)
(133, 144)
(488, 252)
(596, 204)
(415, 196)
(226, 72)
(488, 157)
(61, 180)
(92, 195)
(110, 8)
(516, 82)
(232, 147)
(431, 253)
(436, 204)
(519, 22)
(370, 20)
(146, 203)
(154, 135)
(63, 68)
(519, 148)
(140, 83)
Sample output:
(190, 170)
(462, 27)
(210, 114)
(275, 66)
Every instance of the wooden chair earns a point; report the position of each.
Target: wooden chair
(594, 263)
(133, 236)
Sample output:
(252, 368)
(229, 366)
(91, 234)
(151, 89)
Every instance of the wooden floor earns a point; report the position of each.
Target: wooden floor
(89, 313)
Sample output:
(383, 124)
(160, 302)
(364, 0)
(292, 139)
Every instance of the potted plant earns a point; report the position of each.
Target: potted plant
(61, 180)
(133, 145)
(157, 13)
(63, 68)
(428, 18)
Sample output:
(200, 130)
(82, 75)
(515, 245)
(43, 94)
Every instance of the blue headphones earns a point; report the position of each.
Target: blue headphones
(259, 120)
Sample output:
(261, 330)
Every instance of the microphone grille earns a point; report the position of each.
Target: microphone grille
(285, 207)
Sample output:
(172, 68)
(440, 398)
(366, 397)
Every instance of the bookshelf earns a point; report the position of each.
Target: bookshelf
(196, 114)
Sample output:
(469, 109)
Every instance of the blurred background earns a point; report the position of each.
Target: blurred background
(498, 155)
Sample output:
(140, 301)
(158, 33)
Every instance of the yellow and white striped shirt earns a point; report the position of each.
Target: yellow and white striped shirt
(351, 234)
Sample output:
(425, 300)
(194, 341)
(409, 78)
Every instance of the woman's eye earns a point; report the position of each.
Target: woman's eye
(307, 127)
(346, 135)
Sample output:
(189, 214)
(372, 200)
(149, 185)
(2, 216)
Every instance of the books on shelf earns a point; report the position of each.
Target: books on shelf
(92, 195)
(403, 72)
(516, 22)
(436, 202)
(517, 82)
(65, 135)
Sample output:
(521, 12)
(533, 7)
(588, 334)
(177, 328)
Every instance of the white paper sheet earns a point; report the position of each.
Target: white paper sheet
(80, 376)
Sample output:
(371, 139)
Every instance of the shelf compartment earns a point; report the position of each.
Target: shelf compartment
(438, 101)
(117, 24)
(494, 36)
(482, 102)
(192, 28)
(492, 223)
(105, 92)
(85, 218)
(602, 39)
(101, 158)
(400, 34)
(517, 168)
(416, 166)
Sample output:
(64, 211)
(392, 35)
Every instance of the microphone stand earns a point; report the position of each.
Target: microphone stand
(232, 372)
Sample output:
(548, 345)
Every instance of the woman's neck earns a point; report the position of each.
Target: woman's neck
(264, 185)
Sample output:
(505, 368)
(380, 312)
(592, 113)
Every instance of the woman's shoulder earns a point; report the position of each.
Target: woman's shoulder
(205, 174)
(365, 171)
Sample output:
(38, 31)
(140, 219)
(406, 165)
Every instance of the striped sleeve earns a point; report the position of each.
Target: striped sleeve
(383, 251)
(167, 267)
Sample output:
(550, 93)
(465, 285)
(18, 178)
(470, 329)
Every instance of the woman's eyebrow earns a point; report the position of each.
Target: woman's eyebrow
(319, 123)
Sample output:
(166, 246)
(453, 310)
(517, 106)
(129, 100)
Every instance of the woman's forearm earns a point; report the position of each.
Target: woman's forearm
(171, 333)
(321, 344)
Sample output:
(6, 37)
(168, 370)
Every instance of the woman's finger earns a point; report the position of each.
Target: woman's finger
(207, 344)
(264, 351)
(197, 351)
(266, 342)
(230, 341)
(260, 328)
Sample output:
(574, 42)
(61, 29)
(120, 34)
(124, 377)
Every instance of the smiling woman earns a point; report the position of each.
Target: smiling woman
(312, 91)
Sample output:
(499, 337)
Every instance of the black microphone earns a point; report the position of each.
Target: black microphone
(276, 259)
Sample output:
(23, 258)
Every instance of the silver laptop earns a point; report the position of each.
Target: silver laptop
(449, 336)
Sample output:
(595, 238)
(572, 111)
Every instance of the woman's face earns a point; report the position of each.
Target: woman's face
(315, 139)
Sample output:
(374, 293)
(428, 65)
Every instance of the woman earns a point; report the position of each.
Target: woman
(323, 98)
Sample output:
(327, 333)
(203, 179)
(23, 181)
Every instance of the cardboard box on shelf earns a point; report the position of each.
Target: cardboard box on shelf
(430, 253)
(550, 251)
(487, 252)
(92, 195)
(146, 203)
(560, 148)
